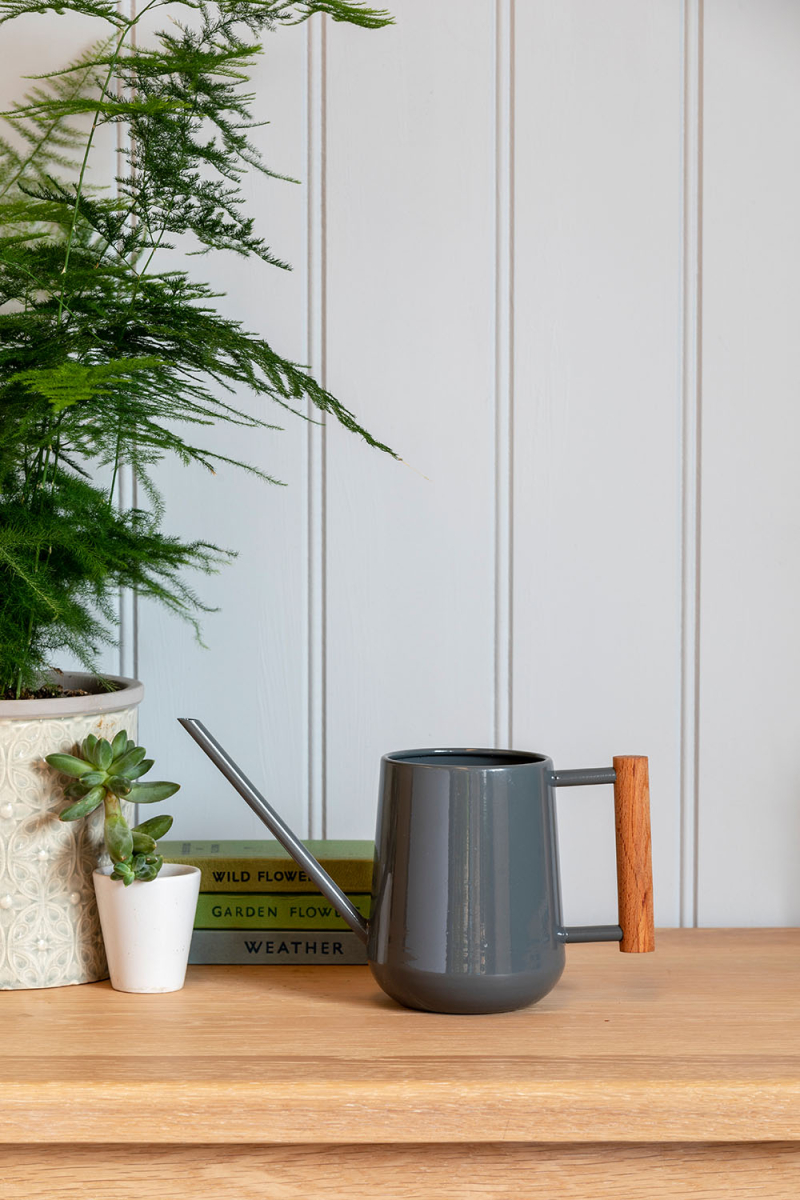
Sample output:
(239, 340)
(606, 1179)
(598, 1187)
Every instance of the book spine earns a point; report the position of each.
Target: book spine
(241, 910)
(281, 947)
(268, 875)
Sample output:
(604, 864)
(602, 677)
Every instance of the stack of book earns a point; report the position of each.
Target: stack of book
(257, 906)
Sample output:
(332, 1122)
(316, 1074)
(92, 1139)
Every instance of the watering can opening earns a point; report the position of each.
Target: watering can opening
(486, 759)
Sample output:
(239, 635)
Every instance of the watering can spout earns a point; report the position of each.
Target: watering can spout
(276, 825)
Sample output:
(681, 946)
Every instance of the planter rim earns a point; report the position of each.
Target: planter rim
(169, 871)
(128, 693)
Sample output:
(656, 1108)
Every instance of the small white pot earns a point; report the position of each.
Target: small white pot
(147, 927)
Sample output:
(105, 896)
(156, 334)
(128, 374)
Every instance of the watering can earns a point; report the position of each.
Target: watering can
(466, 901)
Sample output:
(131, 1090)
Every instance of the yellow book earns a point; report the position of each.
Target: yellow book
(264, 866)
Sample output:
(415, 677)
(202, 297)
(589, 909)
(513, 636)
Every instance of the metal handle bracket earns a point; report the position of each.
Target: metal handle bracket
(581, 778)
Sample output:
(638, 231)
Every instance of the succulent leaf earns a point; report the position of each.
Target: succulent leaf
(82, 808)
(119, 839)
(150, 868)
(103, 755)
(68, 764)
(151, 793)
(119, 744)
(130, 759)
(105, 774)
(93, 778)
(142, 843)
(142, 769)
(77, 788)
(155, 827)
(124, 872)
(88, 747)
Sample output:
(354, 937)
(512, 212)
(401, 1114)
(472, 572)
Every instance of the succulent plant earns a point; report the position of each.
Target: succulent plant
(105, 773)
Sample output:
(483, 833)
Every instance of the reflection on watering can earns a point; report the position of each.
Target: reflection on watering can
(466, 903)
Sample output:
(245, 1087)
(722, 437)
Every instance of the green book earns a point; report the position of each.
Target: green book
(277, 947)
(272, 910)
(264, 866)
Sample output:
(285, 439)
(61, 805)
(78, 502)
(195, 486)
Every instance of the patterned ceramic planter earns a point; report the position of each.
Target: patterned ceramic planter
(49, 928)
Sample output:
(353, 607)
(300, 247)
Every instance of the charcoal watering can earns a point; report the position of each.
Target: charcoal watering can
(466, 902)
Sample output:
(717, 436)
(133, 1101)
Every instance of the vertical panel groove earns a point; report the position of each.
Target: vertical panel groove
(127, 497)
(691, 386)
(504, 371)
(127, 488)
(317, 355)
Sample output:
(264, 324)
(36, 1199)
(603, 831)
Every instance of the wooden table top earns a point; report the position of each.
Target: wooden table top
(697, 1042)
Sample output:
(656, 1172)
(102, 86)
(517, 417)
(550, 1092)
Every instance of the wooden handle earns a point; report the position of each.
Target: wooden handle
(634, 859)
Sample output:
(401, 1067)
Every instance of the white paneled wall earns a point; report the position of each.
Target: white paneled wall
(251, 684)
(749, 779)
(550, 253)
(410, 304)
(596, 500)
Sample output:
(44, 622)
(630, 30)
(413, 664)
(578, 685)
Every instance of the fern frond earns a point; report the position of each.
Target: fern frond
(107, 359)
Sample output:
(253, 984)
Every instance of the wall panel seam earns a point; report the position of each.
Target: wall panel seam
(504, 373)
(691, 431)
(316, 430)
(127, 487)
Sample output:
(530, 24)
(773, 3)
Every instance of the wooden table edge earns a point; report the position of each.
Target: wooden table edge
(358, 1113)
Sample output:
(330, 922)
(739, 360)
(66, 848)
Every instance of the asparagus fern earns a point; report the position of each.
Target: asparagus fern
(108, 357)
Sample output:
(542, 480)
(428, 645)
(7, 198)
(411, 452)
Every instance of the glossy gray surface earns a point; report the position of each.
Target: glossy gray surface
(466, 908)
(466, 903)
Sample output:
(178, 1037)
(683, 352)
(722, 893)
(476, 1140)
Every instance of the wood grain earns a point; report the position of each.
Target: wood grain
(698, 1042)
(634, 854)
(410, 1172)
